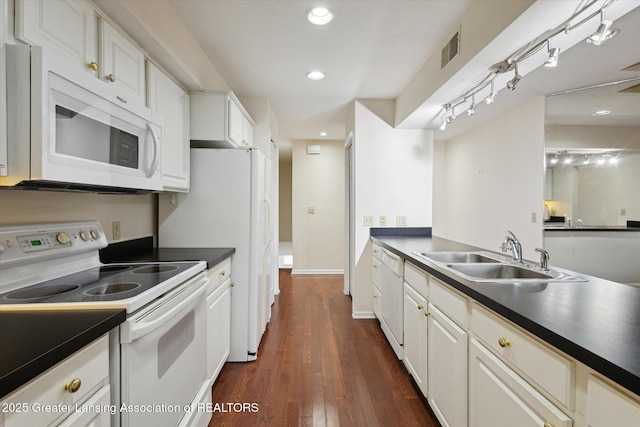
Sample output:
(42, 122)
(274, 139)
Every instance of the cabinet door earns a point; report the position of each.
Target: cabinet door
(608, 407)
(415, 336)
(499, 397)
(172, 104)
(236, 123)
(218, 329)
(122, 63)
(67, 26)
(447, 369)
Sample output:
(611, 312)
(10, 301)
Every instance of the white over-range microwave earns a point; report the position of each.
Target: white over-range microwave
(68, 130)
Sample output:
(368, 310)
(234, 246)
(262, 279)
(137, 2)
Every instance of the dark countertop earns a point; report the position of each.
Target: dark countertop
(595, 322)
(549, 227)
(141, 250)
(33, 341)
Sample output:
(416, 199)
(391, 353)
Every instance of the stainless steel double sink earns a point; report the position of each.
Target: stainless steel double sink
(491, 268)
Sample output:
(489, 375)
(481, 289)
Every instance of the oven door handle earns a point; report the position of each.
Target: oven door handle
(132, 330)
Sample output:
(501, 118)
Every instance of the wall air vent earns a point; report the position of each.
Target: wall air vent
(450, 50)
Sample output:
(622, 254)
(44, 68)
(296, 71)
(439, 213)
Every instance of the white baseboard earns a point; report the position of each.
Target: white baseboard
(320, 272)
(363, 315)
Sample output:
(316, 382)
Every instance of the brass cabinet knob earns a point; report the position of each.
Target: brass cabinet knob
(427, 313)
(73, 385)
(93, 65)
(231, 285)
(222, 273)
(375, 296)
(420, 306)
(504, 342)
(110, 77)
(547, 425)
(375, 266)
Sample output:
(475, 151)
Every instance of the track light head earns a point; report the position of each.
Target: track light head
(511, 84)
(603, 33)
(553, 57)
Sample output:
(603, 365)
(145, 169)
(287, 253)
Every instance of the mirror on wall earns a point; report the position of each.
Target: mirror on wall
(592, 169)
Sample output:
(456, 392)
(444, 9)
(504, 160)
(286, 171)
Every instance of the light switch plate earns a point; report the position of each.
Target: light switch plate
(383, 220)
(368, 221)
(115, 226)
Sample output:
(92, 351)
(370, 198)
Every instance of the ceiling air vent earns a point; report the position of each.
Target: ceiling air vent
(450, 50)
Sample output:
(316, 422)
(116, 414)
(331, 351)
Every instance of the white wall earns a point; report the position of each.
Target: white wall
(318, 182)
(285, 200)
(393, 176)
(491, 178)
(136, 213)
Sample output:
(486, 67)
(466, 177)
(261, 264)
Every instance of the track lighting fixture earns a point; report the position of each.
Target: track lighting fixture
(511, 84)
(529, 50)
(555, 159)
(603, 33)
(553, 56)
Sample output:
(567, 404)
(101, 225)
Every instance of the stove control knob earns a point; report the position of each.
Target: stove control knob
(95, 233)
(85, 235)
(63, 238)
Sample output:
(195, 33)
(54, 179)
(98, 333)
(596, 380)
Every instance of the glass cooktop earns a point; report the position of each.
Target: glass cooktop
(109, 282)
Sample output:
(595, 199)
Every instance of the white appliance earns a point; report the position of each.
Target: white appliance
(227, 206)
(158, 355)
(69, 130)
(391, 279)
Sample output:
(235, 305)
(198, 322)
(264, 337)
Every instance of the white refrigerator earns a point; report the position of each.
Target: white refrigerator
(228, 206)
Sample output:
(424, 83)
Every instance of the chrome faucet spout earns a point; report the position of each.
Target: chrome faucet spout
(510, 241)
(544, 259)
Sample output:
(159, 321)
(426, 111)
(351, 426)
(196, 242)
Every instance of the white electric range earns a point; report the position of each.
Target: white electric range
(158, 355)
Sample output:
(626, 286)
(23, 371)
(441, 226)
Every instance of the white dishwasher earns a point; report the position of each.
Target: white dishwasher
(392, 305)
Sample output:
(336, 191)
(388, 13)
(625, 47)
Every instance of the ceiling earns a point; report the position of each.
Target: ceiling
(374, 48)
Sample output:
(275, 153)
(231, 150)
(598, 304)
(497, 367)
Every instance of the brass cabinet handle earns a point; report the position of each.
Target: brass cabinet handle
(420, 306)
(73, 385)
(427, 313)
(504, 342)
(93, 65)
(110, 77)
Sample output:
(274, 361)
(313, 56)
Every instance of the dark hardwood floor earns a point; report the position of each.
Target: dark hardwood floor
(318, 367)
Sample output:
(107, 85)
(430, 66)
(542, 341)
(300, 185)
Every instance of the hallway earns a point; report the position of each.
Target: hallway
(318, 367)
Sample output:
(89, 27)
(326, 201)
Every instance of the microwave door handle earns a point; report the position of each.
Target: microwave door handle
(154, 161)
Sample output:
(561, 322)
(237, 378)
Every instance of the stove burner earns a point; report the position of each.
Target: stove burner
(40, 292)
(114, 288)
(155, 269)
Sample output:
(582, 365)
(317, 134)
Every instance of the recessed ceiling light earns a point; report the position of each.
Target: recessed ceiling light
(601, 113)
(315, 75)
(323, 134)
(319, 16)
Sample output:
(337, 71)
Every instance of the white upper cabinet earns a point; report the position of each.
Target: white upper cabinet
(122, 63)
(172, 104)
(68, 26)
(73, 30)
(218, 120)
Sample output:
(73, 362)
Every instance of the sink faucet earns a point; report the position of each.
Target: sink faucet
(544, 259)
(580, 223)
(511, 242)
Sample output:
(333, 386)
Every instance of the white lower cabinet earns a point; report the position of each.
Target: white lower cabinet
(73, 393)
(415, 336)
(218, 318)
(607, 407)
(447, 369)
(499, 397)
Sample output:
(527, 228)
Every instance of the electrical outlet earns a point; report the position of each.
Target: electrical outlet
(115, 227)
(311, 210)
(383, 220)
(623, 212)
(401, 220)
(368, 221)
(534, 217)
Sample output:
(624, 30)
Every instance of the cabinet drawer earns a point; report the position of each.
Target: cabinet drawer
(220, 272)
(376, 250)
(449, 301)
(548, 369)
(417, 279)
(90, 365)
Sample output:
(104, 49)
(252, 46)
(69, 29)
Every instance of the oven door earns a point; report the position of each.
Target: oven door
(163, 357)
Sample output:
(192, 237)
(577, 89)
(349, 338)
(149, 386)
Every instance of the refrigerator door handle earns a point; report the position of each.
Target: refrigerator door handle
(268, 222)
